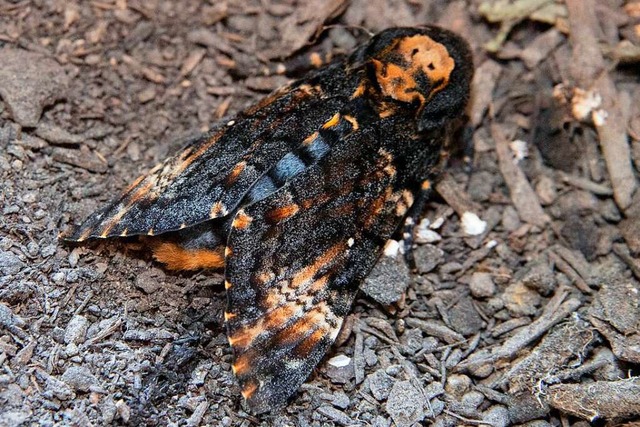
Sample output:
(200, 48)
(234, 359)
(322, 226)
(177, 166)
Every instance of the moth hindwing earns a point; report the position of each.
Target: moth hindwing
(297, 196)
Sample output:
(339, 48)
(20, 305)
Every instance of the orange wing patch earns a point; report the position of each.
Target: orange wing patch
(308, 273)
(175, 257)
(241, 220)
(280, 214)
(235, 174)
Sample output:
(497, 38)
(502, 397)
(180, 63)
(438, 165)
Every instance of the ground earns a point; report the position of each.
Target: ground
(523, 308)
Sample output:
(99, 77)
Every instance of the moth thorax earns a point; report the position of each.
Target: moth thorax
(413, 69)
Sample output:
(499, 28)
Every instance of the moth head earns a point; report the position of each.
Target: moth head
(427, 67)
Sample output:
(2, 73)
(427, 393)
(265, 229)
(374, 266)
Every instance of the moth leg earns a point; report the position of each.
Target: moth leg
(412, 219)
(193, 248)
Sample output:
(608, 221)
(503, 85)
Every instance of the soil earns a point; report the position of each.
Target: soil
(523, 308)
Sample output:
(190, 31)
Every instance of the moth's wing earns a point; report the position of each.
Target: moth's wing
(294, 262)
(208, 179)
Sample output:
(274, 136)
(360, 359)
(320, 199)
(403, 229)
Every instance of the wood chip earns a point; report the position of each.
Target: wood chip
(455, 196)
(590, 72)
(524, 198)
(192, 62)
(305, 23)
(483, 84)
(600, 399)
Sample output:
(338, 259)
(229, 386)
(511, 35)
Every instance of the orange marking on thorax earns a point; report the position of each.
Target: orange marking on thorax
(282, 213)
(426, 185)
(176, 257)
(420, 54)
(396, 82)
(430, 57)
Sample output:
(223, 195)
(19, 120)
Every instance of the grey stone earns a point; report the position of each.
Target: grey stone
(380, 384)
(14, 418)
(79, 378)
(8, 319)
(411, 341)
(458, 384)
(472, 400)
(520, 300)
(335, 415)
(497, 416)
(76, 330)
(464, 317)
(405, 404)
(427, 257)
(482, 285)
(537, 275)
(28, 83)
(10, 263)
(340, 374)
(340, 400)
(388, 280)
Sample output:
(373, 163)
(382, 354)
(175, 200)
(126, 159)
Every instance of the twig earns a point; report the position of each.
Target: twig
(589, 70)
(524, 198)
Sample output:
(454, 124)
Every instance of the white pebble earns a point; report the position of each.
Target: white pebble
(472, 225)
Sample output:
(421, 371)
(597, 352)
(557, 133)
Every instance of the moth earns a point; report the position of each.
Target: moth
(297, 195)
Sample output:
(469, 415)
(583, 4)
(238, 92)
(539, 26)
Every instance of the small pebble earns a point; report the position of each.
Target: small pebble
(10, 263)
(481, 285)
(457, 385)
(340, 400)
(8, 318)
(405, 404)
(472, 225)
(427, 258)
(79, 378)
(520, 300)
(380, 384)
(497, 416)
(76, 330)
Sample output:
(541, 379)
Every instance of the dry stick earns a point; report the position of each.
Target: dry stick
(524, 198)
(564, 267)
(554, 312)
(455, 196)
(589, 70)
